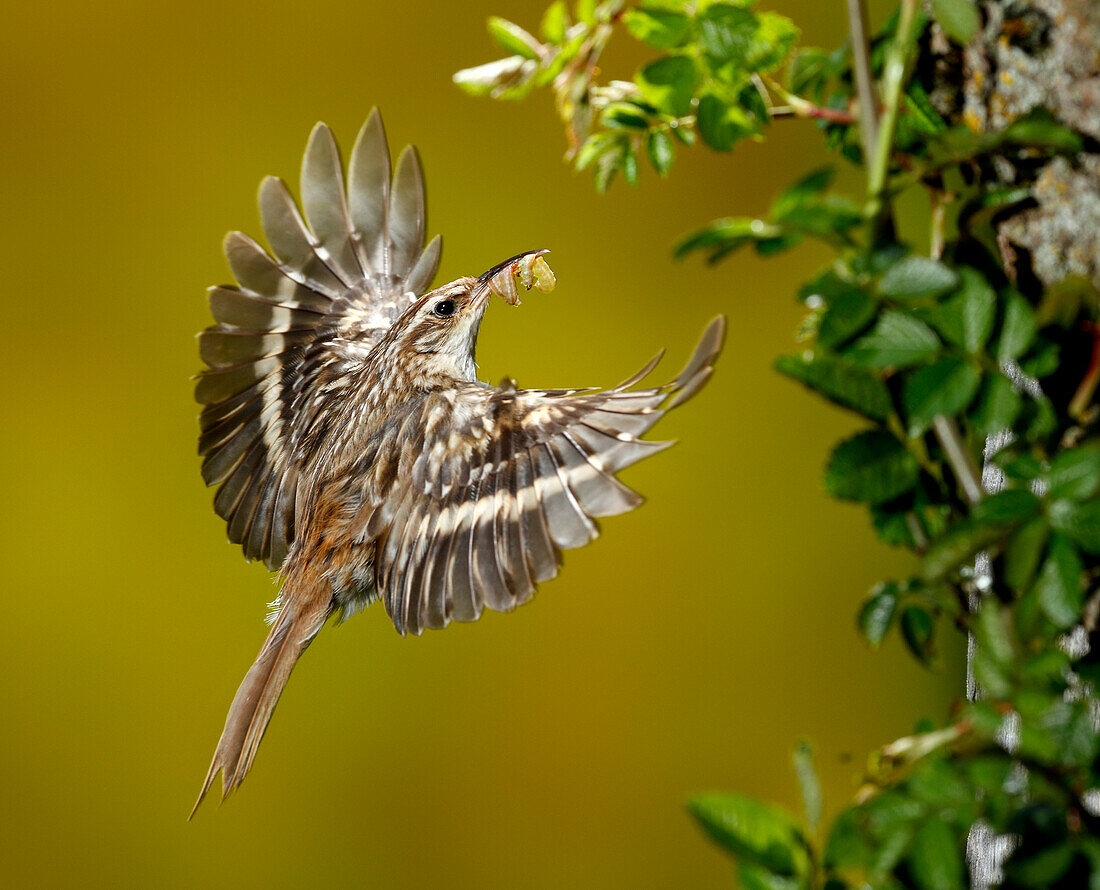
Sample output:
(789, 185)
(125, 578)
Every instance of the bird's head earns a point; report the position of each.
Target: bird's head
(438, 332)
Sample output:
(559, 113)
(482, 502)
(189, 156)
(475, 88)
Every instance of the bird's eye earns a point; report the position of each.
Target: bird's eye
(444, 308)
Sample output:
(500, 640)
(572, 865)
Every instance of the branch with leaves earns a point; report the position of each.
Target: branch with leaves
(940, 347)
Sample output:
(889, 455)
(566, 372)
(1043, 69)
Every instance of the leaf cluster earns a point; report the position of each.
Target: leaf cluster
(953, 363)
(710, 79)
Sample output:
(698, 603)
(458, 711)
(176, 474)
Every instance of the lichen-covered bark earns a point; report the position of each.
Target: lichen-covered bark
(1030, 54)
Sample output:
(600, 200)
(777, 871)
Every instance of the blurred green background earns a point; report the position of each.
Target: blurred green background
(688, 649)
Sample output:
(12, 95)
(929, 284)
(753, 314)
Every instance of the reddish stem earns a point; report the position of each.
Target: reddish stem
(1087, 388)
(831, 114)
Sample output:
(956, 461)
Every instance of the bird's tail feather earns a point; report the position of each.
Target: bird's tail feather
(293, 630)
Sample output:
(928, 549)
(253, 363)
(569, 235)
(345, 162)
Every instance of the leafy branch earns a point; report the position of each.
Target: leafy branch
(937, 346)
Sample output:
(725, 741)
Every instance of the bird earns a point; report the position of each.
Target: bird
(355, 450)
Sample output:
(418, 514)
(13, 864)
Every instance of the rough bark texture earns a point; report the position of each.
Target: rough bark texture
(1042, 53)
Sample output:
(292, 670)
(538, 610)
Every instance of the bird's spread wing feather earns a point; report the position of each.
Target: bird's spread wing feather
(349, 267)
(506, 480)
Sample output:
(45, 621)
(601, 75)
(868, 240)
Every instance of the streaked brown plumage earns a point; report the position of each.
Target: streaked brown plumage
(354, 448)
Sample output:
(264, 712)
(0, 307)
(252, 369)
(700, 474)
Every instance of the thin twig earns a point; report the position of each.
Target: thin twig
(1087, 388)
(893, 78)
(945, 428)
(958, 457)
(861, 64)
(938, 239)
(916, 532)
(798, 107)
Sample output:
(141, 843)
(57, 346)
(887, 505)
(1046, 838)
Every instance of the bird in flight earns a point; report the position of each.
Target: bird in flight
(354, 449)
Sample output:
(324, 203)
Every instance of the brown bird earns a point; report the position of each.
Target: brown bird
(355, 449)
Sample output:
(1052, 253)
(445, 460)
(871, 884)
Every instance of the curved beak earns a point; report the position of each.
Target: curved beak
(501, 279)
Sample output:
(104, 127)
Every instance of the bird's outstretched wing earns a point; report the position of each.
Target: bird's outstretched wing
(490, 504)
(347, 269)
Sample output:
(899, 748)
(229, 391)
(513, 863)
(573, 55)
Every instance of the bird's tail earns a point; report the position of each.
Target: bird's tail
(294, 629)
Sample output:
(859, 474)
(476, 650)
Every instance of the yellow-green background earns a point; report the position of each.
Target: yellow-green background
(688, 649)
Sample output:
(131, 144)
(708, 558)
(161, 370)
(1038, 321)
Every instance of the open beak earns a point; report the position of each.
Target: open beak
(528, 268)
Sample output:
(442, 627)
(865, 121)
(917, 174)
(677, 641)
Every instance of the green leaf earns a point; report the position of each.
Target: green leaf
(630, 165)
(753, 877)
(1008, 507)
(609, 163)
(999, 405)
(1049, 666)
(958, 18)
(806, 70)
(660, 28)
(847, 313)
(846, 846)
(988, 772)
(1042, 359)
(1017, 328)
(994, 515)
(594, 146)
(726, 32)
(871, 466)
(897, 341)
(624, 115)
(1018, 466)
(848, 385)
(660, 151)
(723, 236)
(585, 11)
(827, 218)
(1071, 726)
(722, 125)
(1030, 622)
(937, 783)
(890, 822)
(892, 525)
(916, 277)
(877, 613)
(1079, 522)
(1040, 129)
(1043, 868)
(808, 784)
(917, 629)
(1075, 474)
(757, 832)
(772, 43)
(513, 38)
(548, 70)
(668, 84)
(771, 246)
(944, 387)
(554, 23)
(966, 317)
(991, 678)
(921, 116)
(1040, 417)
(986, 719)
(825, 285)
(805, 191)
(736, 40)
(879, 260)
(492, 78)
(956, 546)
(936, 859)
(992, 632)
(1022, 555)
(1058, 586)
